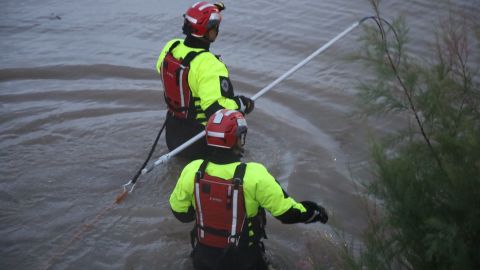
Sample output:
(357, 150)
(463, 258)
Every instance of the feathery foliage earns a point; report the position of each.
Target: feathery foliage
(428, 178)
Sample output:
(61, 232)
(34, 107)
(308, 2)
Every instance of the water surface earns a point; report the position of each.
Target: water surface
(81, 104)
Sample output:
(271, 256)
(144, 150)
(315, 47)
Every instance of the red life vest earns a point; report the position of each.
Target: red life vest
(177, 94)
(220, 208)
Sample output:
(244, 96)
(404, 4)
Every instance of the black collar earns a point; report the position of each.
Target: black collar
(223, 156)
(194, 42)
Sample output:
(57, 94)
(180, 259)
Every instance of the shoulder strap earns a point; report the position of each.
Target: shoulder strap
(201, 170)
(175, 44)
(239, 174)
(186, 61)
(198, 176)
(237, 181)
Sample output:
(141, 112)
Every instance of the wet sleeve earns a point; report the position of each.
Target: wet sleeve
(214, 87)
(274, 199)
(182, 195)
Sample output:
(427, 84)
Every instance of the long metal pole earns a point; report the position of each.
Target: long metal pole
(306, 60)
(186, 144)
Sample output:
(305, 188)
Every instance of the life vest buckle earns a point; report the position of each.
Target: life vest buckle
(198, 176)
(233, 240)
(236, 182)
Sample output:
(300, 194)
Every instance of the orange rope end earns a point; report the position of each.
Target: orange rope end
(121, 197)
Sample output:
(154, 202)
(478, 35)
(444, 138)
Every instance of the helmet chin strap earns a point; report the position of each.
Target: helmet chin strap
(207, 38)
(238, 148)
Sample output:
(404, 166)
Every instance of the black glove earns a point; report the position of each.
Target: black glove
(316, 212)
(245, 104)
(220, 6)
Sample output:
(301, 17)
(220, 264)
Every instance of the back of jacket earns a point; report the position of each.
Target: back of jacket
(208, 80)
(259, 186)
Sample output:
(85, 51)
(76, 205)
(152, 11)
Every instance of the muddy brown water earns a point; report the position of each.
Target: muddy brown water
(81, 105)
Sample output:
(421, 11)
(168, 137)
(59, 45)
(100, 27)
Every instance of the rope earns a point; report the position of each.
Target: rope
(78, 235)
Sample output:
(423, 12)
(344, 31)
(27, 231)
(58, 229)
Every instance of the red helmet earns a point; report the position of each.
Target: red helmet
(224, 128)
(201, 17)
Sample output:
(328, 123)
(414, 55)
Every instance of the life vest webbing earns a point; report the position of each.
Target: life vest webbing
(198, 176)
(178, 95)
(229, 235)
(180, 81)
(237, 181)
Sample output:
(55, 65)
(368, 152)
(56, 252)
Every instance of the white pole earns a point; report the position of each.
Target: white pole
(306, 60)
(186, 144)
(172, 153)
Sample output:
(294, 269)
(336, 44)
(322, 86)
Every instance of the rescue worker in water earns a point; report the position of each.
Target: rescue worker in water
(227, 198)
(196, 82)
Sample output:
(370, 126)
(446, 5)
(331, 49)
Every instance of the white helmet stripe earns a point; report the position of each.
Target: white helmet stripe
(197, 3)
(205, 6)
(216, 134)
(219, 145)
(190, 19)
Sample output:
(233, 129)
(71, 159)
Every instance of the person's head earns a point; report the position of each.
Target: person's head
(227, 129)
(202, 20)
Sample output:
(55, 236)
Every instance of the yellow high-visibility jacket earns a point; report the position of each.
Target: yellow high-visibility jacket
(208, 79)
(259, 186)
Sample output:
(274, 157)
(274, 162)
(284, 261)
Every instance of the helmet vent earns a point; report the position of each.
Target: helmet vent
(205, 6)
